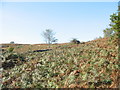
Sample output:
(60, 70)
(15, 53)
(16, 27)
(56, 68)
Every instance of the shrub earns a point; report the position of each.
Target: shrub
(75, 41)
(10, 60)
(10, 49)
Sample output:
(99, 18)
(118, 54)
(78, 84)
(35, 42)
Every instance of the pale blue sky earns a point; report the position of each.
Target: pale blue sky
(23, 22)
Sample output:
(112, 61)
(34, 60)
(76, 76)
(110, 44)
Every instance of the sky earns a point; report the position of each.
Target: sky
(23, 22)
(60, 0)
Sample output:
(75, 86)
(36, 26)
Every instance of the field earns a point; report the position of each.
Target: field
(92, 64)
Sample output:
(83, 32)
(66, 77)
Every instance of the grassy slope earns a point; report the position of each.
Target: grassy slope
(89, 65)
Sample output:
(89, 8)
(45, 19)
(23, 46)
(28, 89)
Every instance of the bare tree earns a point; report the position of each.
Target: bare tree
(48, 36)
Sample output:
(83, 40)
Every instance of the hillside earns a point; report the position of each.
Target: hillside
(92, 64)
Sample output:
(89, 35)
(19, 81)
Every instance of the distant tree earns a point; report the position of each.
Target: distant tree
(115, 24)
(98, 37)
(108, 32)
(48, 36)
(75, 41)
(12, 42)
(114, 30)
